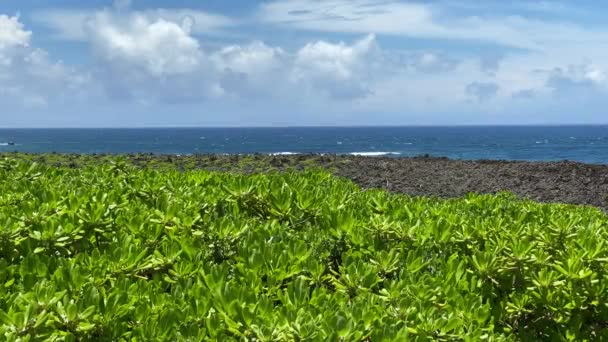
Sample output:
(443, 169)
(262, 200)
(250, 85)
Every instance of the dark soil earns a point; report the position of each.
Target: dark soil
(556, 182)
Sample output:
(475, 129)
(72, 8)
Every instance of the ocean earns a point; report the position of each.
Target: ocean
(532, 143)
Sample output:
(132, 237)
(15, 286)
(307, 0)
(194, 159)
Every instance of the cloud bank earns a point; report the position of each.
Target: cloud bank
(28, 77)
(350, 62)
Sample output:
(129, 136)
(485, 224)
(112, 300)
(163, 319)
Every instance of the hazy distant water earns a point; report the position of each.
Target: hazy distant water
(581, 143)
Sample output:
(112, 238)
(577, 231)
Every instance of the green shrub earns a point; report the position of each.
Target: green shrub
(110, 253)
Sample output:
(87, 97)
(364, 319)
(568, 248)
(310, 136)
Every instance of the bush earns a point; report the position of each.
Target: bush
(110, 253)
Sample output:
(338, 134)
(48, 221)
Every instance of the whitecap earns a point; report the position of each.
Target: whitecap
(3, 144)
(373, 154)
(284, 154)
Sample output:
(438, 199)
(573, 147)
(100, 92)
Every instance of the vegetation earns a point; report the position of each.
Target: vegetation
(251, 163)
(113, 252)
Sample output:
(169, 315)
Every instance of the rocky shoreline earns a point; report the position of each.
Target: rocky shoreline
(553, 182)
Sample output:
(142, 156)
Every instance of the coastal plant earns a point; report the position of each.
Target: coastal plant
(111, 252)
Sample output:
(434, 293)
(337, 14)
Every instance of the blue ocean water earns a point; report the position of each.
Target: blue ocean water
(534, 143)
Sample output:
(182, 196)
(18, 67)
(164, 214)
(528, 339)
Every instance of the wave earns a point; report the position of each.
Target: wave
(3, 144)
(373, 154)
(284, 154)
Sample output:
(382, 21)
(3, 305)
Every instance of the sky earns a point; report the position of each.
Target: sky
(150, 63)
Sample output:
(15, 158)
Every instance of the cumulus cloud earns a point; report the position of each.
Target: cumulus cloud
(335, 71)
(252, 58)
(147, 60)
(159, 47)
(198, 59)
(160, 60)
(340, 70)
(482, 91)
(249, 69)
(28, 77)
(13, 36)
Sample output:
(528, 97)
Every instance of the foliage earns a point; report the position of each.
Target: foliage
(111, 252)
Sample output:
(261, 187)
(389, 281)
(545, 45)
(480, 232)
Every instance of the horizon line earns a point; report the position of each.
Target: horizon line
(318, 126)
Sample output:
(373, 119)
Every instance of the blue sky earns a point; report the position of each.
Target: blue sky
(123, 63)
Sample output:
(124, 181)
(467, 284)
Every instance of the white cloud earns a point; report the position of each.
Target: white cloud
(160, 47)
(148, 61)
(540, 42)
(255, 57)
(155, 57)
(12, 37)
(28, 77)
(12, 33)
(318, 71)
(246, 71)
(341, 70)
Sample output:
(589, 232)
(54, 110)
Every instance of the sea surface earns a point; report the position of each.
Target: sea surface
(533, 143)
